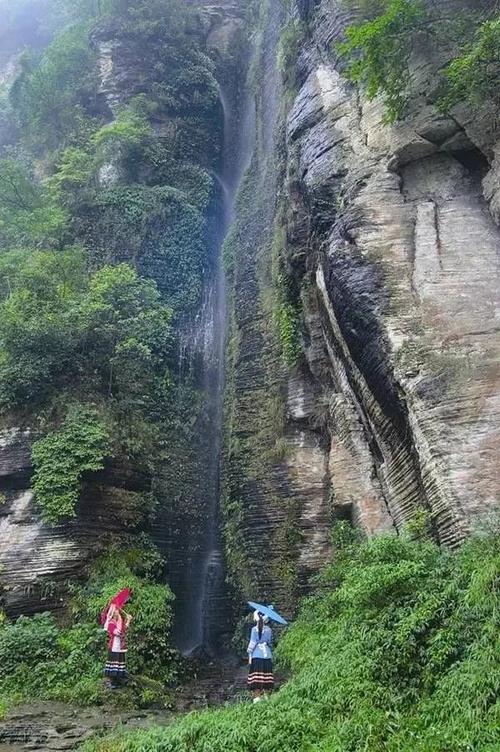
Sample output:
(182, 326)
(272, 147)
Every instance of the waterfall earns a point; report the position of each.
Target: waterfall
(204, 340)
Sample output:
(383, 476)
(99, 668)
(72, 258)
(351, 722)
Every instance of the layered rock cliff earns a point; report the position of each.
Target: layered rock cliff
(405, 288)
(392, 249)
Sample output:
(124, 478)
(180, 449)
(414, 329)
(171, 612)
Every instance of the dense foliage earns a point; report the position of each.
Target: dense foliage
(106, 204)
(29, 212)
(62, 328)
(62, 457)
(396, 652)
(43, 660)
(91, 199)
(379, 49)
(53, 96)
(119, 189)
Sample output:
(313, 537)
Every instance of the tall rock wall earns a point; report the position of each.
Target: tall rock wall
(38, 561)
(275, 505)
(393, 247)
(402, 278)
(389, 236)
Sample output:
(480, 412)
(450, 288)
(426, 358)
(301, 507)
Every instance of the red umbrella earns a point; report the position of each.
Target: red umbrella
(119, 600)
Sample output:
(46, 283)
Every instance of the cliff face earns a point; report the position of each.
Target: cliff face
(402, 280)
(275, 467)
(37, 561)
(393, 247)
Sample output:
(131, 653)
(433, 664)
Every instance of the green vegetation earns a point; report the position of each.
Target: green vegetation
(105, 219)
(29, 213)
(68, 336)
(62, 457)
(90, 200)
(396, 652)
(379, 50)
(64, 329)
(54, 96)
(115, 187)
(474, 75)
(43, 660)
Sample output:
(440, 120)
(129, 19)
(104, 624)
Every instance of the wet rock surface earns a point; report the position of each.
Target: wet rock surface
(54, 726)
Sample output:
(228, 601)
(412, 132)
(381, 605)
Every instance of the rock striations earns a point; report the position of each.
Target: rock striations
(392, 240)
(403, 281)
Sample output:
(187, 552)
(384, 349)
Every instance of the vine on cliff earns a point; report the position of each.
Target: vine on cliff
(61, 458)
(379, 48)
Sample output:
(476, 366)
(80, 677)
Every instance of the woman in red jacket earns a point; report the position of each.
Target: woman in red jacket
(116, 625)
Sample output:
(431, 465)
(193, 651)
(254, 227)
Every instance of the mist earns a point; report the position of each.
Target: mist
(26, 23)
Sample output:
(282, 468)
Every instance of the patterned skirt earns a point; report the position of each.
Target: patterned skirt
(115, 665)
(261, 674)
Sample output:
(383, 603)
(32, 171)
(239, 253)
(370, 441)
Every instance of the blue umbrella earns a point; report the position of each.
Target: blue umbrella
(267, 611)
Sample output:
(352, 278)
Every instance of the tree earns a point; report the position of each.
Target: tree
(51, 94)
(18, 191)
(106, 335)
(29, 214)
(379, 50)
(474, 75)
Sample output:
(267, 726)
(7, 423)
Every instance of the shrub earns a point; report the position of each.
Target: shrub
(43, 660)
(156, 229)
(27, 643)
(150, 651)
(289, 328)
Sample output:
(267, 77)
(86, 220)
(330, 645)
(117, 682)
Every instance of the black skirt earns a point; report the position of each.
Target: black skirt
(261, 675)
(115, 665)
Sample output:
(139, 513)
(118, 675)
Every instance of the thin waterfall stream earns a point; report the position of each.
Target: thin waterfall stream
(206, 341)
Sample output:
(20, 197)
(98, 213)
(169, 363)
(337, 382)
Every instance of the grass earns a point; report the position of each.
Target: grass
(396, 652)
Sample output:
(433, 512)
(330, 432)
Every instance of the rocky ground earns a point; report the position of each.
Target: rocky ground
(54, 726)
